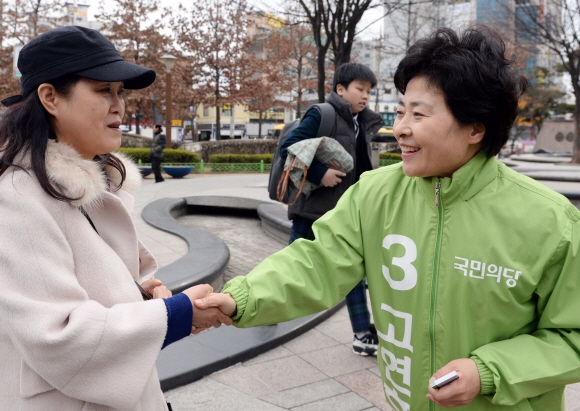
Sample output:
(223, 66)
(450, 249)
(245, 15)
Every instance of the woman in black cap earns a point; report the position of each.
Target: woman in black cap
(76, 332)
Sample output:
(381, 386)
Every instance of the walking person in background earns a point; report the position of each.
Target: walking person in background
(76, 333)
(355, 124)
(157, 146)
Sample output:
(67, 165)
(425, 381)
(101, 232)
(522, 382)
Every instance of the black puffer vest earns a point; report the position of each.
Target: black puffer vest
(319, 201)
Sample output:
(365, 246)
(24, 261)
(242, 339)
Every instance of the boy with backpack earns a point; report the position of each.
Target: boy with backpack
(354, 125)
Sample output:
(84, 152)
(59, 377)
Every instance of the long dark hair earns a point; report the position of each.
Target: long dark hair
(25, 129)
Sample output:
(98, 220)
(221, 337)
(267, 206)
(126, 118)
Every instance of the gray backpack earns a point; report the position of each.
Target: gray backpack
(327, 117)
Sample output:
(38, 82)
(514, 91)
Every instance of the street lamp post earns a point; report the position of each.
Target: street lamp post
(168, 59)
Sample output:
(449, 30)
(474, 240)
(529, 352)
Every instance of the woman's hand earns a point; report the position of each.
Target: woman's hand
(205, 318)
(156, 288)
(161, 292)
(461, 391)
(150, 284)
(225, 303)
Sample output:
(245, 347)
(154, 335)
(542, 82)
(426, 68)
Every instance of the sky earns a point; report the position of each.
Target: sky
(270, 5)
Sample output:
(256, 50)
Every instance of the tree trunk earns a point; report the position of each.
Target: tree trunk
(298, 102)
(259, 123)
(137, 128)
(298, 86)
(576, 150)
(321, 73)
(218, 126)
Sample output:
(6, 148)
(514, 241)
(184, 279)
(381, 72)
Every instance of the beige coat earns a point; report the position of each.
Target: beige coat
(75, 333)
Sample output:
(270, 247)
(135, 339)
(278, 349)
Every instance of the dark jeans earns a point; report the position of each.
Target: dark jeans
(156, 167)
(356, 300)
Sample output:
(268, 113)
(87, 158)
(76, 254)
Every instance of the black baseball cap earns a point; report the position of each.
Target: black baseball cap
(75, 50)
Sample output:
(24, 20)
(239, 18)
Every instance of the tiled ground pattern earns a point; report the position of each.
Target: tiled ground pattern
(247, 242)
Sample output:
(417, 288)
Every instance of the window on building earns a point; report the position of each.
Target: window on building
(205, 111)
(367, 55)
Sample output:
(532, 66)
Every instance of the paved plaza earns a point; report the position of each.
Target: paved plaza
(315, 371)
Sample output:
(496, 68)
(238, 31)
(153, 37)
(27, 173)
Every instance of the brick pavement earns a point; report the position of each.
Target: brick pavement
(316, 371)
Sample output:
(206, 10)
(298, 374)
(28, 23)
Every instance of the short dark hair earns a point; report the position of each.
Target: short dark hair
(479, 83)
(348, 72)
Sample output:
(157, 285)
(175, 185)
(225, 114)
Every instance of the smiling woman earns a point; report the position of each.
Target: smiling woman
(472, 267)
(72, 313)
(432, 142)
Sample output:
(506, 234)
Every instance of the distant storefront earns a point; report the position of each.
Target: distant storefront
(207, 131)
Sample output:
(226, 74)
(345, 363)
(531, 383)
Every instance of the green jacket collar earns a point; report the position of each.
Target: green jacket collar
(464, 183)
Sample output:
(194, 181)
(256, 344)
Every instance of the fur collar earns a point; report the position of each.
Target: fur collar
(86, 179)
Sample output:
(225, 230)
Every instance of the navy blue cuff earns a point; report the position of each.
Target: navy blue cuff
(179, 318)
(316, 172)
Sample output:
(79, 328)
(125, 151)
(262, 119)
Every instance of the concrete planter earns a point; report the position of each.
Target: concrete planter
(178, 171)
(145, 170)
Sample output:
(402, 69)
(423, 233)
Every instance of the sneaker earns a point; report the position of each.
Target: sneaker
(367, 344)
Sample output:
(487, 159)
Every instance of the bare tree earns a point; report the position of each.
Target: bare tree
(409, 22)
(334, 25)
(300, 62)
(557, 29)
(26, 19)
(137, 36)
(21, 21)
(186, 95)
(9, 84)
(214, 34)
(271, 81)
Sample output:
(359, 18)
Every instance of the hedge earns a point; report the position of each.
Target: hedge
(170, 155)
(390, 156)
(241, 158)
(263, 146)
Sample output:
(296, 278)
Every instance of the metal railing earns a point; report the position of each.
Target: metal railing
(261, 167)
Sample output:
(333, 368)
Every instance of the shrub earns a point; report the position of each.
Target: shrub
(390, 156)
(136, 154)
(170, 155)
(236, 146)
(241, 158)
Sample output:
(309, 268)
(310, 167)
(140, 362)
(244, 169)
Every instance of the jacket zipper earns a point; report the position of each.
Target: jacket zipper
(439, 205)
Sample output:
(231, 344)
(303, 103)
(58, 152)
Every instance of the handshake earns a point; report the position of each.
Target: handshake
(209, 309)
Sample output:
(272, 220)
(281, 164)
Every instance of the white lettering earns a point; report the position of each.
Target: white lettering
(391, 395)
(410, 272)
(408, 328)
(392, 364)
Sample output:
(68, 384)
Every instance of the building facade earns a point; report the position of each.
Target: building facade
(514, 19)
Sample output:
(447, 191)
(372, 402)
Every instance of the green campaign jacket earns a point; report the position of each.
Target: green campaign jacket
(483, 265)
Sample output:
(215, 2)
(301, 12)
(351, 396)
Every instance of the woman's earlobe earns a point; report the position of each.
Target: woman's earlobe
(477, 133)
(48, 97)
